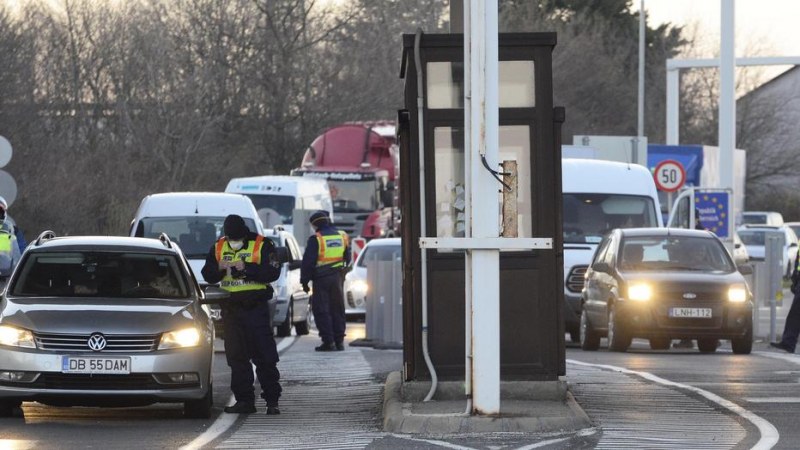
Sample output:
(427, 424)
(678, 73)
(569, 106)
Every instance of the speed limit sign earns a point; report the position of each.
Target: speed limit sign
(669, 175)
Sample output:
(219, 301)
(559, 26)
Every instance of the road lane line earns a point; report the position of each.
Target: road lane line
(225, 421)
(769, 434)
(790, 357)
(432, 442)
(773, 399)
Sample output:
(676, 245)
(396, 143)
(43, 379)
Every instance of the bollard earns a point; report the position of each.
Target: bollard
(384, 321)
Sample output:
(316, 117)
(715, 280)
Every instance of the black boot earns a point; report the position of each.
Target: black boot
(782, 346)
(325, 347)
(339, 346)
(273, 410)
(241, 408)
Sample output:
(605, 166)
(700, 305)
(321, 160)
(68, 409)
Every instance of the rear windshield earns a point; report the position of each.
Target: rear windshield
(101, 274)
(380, 253)
(194, 234)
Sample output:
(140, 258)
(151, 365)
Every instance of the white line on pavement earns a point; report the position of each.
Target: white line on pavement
(432, 442)
(224, 421)
(792, 358)
(583, 432)
(773, 399)
(769, 434)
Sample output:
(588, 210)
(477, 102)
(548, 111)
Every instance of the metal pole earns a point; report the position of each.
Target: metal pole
(673, 101)
(467, 203)
(727, 102)
(640, 115)
(484, 139)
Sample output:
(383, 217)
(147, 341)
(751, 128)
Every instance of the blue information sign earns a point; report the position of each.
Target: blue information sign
(714, 210)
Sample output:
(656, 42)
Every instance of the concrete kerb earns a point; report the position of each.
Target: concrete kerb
(525, 407)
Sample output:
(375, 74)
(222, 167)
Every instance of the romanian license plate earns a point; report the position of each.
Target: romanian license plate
(92, 365)
(692, 313)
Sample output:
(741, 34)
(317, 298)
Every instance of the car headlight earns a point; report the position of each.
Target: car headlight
(188, 337)
(737, 293)
(360, 286)
(640, 292)
(16, 337)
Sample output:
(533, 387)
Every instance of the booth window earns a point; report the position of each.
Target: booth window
(445, 85)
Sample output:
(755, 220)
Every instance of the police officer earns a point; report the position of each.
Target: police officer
(326, 257)
(791, 328)
(244, 264)
(10, 249)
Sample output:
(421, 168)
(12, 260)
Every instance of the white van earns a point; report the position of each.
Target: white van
(277, 196)
(599, 196)
(762, 218)
(193, 220)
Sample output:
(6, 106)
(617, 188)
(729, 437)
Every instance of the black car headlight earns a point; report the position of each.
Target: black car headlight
(16, 337)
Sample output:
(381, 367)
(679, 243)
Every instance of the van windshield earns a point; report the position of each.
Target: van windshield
(273, 209)
(194, 234)
(588, 217)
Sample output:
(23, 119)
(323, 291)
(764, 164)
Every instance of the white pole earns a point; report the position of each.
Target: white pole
(673, 101)
(727, 102)
(640, 115)
(467, 206)
(486, 224)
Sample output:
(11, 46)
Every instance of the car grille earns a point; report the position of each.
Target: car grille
(132, 382)
(133, 343)
(575, 279)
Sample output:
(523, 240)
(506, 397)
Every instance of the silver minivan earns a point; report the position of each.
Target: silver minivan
(105, 321)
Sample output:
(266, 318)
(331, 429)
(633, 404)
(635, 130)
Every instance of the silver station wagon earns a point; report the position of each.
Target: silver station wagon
(105, 321)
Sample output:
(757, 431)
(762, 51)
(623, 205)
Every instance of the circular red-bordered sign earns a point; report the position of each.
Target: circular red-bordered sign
(669, 175)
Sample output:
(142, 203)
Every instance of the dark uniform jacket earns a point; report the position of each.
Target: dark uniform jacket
(309, 269)
(266, 272)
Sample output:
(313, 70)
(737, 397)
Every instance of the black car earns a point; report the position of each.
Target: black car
(663, 284)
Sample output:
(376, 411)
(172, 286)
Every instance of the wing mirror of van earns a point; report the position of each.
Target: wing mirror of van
(294, 265)
(281, 255)
(745, 269)
(214, 294)
(601, 267)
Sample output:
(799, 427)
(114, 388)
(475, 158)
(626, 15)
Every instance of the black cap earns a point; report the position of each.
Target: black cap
(319, 218)
(234, 227)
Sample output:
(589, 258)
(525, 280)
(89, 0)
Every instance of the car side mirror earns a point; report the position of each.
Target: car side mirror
(294, 265)
(745, 269)
(601, 267)
(281, 254)
(793, 244)
(214, 294)
(737, 245)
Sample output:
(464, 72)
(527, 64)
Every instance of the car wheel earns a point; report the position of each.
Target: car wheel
(590, 339)
(285, 329)
(744, 344)
(618, 339)
(301, 328)
(8, 407)
(200, 409)
(707, 345)
(660, 343)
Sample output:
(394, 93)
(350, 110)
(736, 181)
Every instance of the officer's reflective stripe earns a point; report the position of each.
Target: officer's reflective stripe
(5, 242)
(257, 249)
(228, 283)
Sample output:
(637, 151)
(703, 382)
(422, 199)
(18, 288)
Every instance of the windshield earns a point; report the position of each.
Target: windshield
(379, 253)
(752, 237)
(754, 218)
(353, 196)
(674, 253)
(194, 234)
(273, 209)
(101, 274)
(588, 217)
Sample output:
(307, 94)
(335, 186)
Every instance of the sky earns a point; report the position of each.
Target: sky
(763, 27)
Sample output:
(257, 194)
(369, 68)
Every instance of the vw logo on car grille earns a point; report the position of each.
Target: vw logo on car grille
(689, 295)
(97, 342)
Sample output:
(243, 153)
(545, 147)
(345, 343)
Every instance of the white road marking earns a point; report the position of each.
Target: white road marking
(579, 433)
(769, 434)
(773, 399)
(432, 442)
(225, 421)
(792, 358)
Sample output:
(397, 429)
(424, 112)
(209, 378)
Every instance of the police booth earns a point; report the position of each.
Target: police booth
(531, 281)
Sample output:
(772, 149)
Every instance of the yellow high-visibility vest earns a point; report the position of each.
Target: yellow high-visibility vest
(249, 254)
(331, 249)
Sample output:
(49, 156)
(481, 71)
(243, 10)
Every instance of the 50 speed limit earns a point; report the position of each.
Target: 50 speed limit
(669, 175)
